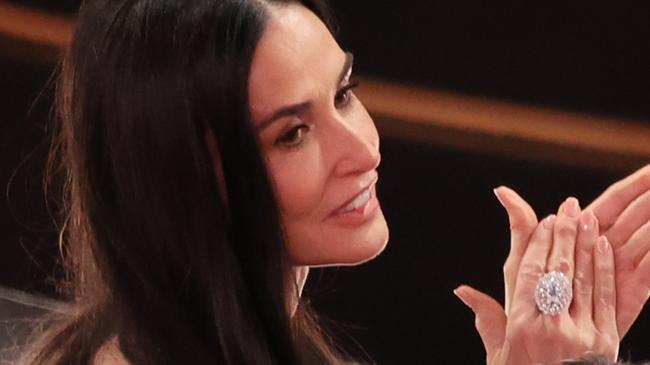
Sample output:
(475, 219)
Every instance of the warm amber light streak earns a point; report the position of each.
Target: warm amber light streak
(473, 115)
(34, 26)
(411, 110)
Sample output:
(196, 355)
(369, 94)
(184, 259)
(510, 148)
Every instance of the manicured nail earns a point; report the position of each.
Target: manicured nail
(496, 193)
(603, 244)
(587, 221)
(572, 207)
(460, 294)
(549, 221)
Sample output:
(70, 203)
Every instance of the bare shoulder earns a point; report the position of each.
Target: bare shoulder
(110, 354)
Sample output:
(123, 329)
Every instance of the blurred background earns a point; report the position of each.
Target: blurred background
(552, 99)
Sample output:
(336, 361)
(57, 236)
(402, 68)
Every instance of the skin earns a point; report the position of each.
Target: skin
(623, 211)
(622, 214)
(526, 336)
(325, 153)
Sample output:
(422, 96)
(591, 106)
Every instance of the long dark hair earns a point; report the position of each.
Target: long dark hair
(181, 263)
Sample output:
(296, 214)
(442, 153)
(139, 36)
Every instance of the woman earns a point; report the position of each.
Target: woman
(213, 152)
(174, 226)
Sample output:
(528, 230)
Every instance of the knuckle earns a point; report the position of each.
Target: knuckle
(585, 248)
(582, 287)
(603, 304)
(565, 229)
(477, 324)
(521, 330)
(607, 290)
(531, 272)
(507, 264)
(561, 264)
(506, 271)
(604, 272)
(519, 225)
(509, 269)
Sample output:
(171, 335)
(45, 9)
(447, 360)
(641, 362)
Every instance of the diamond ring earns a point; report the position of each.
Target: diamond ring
(553, 293)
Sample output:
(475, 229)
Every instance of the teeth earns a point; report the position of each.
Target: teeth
(359, 201)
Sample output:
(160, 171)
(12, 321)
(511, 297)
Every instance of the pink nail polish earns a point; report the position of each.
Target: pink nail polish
(603, 244)
(586, 221)
(549, 221)
(572, 208)
(460, 294)
(496, 193)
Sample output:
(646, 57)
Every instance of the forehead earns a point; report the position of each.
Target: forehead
(295, 57)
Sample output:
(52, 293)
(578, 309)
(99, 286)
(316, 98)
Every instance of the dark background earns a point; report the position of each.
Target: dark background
(446, 226)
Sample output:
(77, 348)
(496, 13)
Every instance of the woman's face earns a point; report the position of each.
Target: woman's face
(320, 144)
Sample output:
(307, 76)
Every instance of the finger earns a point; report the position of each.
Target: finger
(565, 233)
(635, 254)
(641, 241)
(532, 267)
(583, 281)
(636, 247)
(609, 205)
(604, 301)
(523, 221)
(638, 297)
(490, 318)
(633, 217)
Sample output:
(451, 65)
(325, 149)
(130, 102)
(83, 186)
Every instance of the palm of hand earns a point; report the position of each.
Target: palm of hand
(623, 211)
(633, 288)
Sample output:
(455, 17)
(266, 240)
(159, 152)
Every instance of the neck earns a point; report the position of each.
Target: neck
(299, 278)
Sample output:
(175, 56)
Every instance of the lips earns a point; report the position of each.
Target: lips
(358, 200)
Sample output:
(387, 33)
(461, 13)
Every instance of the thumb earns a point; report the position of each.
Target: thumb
(521, 215)
(490, 317)
(522, 224)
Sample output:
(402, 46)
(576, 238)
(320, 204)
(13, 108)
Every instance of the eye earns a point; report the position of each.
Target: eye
(293, 137)
(343, 96)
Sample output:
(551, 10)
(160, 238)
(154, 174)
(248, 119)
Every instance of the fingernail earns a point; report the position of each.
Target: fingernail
(587, 221)
(603, 244)
(549, 221)
(572, 207)
(496, 193)
(459, 293)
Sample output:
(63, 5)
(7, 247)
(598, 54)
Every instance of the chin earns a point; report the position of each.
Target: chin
(342, 247)
(364, 251)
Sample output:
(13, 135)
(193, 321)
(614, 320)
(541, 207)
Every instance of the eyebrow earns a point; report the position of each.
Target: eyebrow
(299, 108)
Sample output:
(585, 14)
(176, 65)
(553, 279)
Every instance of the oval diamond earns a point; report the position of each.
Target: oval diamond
(553, 293)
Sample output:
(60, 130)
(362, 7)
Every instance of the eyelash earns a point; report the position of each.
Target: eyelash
(345, 92)
(289, 139)
(294, 137)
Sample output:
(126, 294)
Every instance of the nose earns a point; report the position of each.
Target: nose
(355, 146)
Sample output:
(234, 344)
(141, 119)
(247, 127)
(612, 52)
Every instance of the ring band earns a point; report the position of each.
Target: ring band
(553, 293)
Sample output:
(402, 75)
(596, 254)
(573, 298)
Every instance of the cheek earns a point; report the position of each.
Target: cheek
(304, 179)
(299, 179)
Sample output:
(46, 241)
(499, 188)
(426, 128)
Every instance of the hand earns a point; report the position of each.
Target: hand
(623, 211)
(521, 334)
